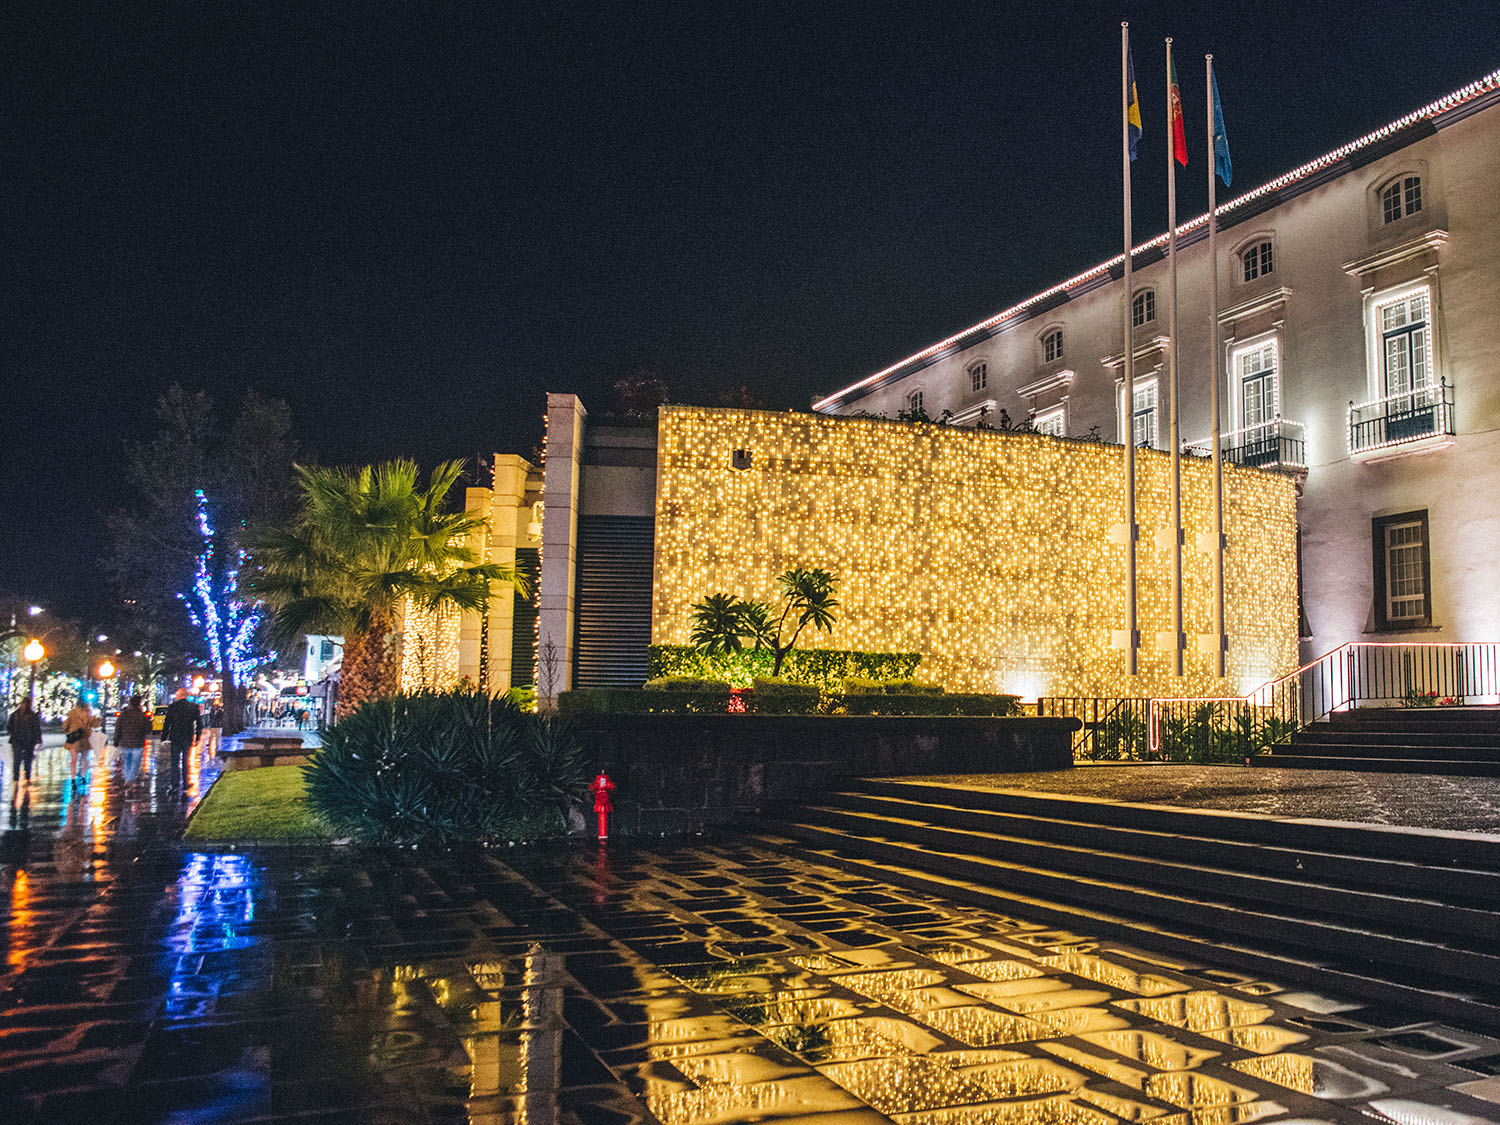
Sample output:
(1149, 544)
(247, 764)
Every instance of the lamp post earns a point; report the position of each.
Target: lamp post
(33, 652)
(106, 672)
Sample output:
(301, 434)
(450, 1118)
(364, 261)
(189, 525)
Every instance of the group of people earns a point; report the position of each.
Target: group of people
(182, 724)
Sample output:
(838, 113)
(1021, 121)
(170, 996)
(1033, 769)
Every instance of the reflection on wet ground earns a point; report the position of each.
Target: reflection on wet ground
(704, 982)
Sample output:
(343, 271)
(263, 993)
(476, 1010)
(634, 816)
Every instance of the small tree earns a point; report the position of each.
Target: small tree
(723, 623)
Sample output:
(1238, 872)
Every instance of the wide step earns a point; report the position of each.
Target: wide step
(1400, 910)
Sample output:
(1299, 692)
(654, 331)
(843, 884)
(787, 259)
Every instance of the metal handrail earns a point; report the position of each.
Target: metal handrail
(1410, 673)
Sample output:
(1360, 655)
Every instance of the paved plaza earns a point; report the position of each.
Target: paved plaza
(1410, 800)
(680, 982)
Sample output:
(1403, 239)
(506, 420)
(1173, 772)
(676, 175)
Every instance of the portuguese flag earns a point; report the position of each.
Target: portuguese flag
(1179, 138)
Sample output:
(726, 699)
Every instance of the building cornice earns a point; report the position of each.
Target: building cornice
(1255, 305)
(1430, 242)
(1058, 380)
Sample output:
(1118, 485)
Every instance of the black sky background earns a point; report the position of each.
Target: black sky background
(411, 220)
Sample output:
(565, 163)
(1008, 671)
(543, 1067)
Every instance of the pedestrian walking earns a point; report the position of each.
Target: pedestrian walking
(180, 729)
(215, 728)
(25, 737)
(131, 730)
(76, 730)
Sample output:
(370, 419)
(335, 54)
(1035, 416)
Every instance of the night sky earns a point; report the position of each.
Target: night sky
(411, 220)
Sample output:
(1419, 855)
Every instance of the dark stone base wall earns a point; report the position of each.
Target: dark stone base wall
(679, 773)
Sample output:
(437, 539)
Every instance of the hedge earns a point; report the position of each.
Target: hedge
(779, 698)
(824, 668)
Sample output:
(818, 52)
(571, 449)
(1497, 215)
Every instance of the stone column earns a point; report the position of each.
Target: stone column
(556, 603)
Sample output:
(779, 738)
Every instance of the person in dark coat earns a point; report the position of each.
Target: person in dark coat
(184, 722)
(131, 731)
(25, 737)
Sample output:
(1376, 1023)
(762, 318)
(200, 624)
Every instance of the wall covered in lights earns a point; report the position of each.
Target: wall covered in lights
(987, 552)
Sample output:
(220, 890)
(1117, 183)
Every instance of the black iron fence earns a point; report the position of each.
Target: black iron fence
(1209, 730)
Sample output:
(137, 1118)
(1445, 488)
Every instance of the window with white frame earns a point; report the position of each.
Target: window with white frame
(1256, 261)
(1051, 421)
(1259, 398)
(1143, 308)
(1404, 331)
(1401, 198)
(1052, 346)
(914, 402)
(1143, 414)
(1403, 578)
(979, 376)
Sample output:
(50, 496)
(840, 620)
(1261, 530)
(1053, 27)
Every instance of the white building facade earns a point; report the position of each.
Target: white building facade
(1359, 349)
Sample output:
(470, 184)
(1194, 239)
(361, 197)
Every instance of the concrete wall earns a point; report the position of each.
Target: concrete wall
(677, 773)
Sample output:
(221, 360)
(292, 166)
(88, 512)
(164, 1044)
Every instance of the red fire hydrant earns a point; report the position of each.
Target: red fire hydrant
(601, 788)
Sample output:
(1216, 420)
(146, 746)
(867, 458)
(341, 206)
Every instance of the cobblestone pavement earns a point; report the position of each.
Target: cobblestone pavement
(1462, 804)
(684, 983)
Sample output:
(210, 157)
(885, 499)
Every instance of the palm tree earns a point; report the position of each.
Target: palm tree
(722, 623)
(365, 540)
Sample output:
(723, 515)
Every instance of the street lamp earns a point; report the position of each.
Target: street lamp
(33, 652)
(106, 672)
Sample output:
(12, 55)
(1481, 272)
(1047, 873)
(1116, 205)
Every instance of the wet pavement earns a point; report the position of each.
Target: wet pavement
(1460, 804)
(685, 982)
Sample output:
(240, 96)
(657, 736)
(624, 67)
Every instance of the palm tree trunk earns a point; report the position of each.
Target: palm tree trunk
(368, 672)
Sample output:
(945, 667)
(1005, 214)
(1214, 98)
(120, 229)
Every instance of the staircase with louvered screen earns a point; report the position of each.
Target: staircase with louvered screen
(614, 600)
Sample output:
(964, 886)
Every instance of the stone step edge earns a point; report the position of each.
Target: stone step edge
(1399, 951)
(1481, 924)
(1445, 1004)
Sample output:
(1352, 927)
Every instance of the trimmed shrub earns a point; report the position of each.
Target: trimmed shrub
(855, 686)
(684, 683)
(782, 697)
(826, 669)
(644, 701)
(446, 768)
(954, 703)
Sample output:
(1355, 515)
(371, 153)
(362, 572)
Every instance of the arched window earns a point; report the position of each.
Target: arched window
(979, 375)
(1052, 346)
(1401, 197)
(914, 402)
(1143, 308)
(1256, 261)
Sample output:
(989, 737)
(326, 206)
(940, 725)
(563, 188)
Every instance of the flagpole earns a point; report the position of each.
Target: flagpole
(1132, 634)
(1218, 639)
(1176, 532)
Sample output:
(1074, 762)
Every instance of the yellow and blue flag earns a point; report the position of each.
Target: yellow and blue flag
(1221, 140)
(1132, 105)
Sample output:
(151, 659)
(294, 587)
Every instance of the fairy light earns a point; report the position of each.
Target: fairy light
(227, 622)
(985, 551)
(1488, 83)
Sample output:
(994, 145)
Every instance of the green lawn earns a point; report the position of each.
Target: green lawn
(269, 803)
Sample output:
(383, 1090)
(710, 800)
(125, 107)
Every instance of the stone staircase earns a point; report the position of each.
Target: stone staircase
(1401, 916)
(1446, 740)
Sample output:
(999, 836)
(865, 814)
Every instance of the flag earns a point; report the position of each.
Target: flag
(1221, 141)
(1132, 105)
(1179, 136)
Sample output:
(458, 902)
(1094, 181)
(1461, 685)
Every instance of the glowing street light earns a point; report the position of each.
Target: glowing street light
(33, 652)
(104, 673)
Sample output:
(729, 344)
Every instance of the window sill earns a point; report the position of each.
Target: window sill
(1396, 630)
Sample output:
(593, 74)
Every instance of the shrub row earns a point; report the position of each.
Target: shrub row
(825, 668)
(774, 698)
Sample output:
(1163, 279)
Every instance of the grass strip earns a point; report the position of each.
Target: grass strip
(269, 803)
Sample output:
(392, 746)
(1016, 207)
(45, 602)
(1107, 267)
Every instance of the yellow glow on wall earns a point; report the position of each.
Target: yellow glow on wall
(429, 648)
(988, 552)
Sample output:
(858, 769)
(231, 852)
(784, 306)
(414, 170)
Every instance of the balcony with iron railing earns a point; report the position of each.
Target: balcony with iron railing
(1279, 444)
(1407, 422)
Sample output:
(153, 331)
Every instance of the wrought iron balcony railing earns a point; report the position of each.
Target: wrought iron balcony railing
(1411, 416)
(1278, 444)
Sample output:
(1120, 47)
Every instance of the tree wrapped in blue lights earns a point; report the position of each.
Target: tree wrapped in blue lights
(227, 621)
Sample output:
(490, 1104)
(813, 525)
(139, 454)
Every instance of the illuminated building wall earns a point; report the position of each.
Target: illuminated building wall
(986, 552)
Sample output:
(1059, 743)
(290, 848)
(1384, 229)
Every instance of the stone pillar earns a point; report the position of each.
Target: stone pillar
(558, 586)
(509, 514)
(477, 501)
